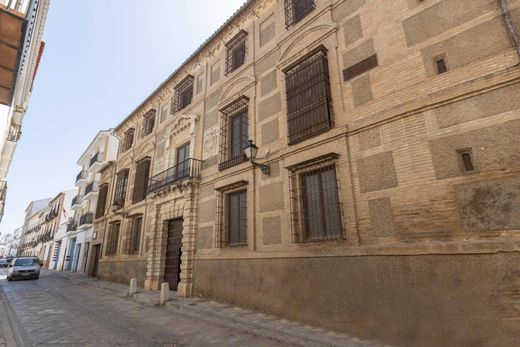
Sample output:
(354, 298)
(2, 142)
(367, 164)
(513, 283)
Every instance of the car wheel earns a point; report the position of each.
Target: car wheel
(36, 277)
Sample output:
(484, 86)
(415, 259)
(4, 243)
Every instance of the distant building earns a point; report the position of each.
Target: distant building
(21, 48)
(62, 220)
(33, 223)
(101, 150)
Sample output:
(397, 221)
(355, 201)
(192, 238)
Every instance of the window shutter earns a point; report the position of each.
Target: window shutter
(141, 180)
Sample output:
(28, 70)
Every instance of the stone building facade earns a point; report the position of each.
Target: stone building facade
(390, 209)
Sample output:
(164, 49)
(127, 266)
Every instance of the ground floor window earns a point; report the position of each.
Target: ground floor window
(112, 239)
(315, 203)
(232, 216)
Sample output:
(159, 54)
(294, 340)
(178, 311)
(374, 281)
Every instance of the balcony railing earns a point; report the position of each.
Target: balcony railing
(187, 169)
(77, 200)
(81, 176)
(72, 226)
(97, 158)
(87, 218)
(92, 187)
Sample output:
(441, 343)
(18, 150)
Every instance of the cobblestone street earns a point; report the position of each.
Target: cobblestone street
(60, 309)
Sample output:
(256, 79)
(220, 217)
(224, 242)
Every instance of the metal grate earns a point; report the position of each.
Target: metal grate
(232, 217)
(128, 140)
(296, 10)
(309, 109)
(148, 123)
(102, 200)
(112, 239)
(189, 168)
(316, 211)
(233, 133)
(142, 174)
(121, 185)
(183, 94)
(236, 52)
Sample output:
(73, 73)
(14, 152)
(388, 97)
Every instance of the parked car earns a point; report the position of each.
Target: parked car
(24, 267)
(3, 263)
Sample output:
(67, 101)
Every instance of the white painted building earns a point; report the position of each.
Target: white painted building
(59, 243)
(21, 48)
(33, 222)
(101, 150)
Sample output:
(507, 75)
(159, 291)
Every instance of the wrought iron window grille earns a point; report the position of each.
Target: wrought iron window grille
(128, 140)
(232, 216)
(102, 200)
(121, 186)
(112, 239)
(236, 52)
(133, 236)
(309, 106)
(142, 174)
(316, 208)
(233, 133)
(148, 123)
(296, 10)
(183, 94)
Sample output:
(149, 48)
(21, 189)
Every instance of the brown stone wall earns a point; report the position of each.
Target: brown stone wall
(425, 300)
(122, 271)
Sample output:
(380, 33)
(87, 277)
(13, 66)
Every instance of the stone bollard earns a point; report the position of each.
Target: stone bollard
(165, 293)
(133, 287)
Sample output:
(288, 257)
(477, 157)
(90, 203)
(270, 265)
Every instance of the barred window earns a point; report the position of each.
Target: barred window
(112, 239)
(102, 200)
(234, 133)
(121, 185)
(133, 235)
(148, 123)
(183, 94)
(296, 10)
(316, 208)
(142, 174)
(232, 216)
(128, 140)
(236, 52)
(309, 109)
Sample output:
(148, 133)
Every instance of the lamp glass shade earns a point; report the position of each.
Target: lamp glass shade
(250, 150)
(115, 206)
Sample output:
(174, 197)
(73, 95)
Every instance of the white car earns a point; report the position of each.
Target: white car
(24, 267)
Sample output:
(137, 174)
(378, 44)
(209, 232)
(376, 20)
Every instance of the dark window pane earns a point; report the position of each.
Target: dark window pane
(237, 218)
(467, 162)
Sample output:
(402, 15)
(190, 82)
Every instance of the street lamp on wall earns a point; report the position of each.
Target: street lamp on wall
(116, 207)
(250, 151)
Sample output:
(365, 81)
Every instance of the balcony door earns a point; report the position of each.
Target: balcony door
(182, 163)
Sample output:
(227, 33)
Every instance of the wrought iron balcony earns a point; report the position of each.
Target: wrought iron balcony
(188, 169)
(86, 218)
(92, 187)
(72, 226)
(97, 158)
(81, 176)
(78, 199)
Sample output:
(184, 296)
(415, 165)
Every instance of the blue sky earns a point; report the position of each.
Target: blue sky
(101, 59)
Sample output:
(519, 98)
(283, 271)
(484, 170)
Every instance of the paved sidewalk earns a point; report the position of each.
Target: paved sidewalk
(287, 332)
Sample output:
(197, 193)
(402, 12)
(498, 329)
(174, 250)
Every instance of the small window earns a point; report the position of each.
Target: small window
(183, 94)
(441, 66)
(128, 140)
(148, 123)
(296, 10)
(466, 160)
(236, 52)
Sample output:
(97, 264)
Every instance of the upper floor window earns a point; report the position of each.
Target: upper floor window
(142, 173)
(121, 185)
(183, 94)
(128, 140)
(296, 10)
(102, 201)
(309, 109)
(234, 133)
(236, 52)
(148, 123)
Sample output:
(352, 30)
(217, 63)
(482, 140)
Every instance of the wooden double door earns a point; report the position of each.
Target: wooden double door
(172, 264)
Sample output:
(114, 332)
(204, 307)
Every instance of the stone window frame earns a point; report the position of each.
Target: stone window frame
(132, 244)
(121, 188)
(292, 17)
(128, 140)
(112, 239)
(297, 211)
(183, 94)
(237, 45)
(102, 200)
(238, 108)
(222, 220)
(148, 123)
(141, 178)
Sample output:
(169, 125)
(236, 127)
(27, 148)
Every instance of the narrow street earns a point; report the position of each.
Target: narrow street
(59, 309)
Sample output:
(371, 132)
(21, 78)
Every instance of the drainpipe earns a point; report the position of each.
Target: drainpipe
(510, 26)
